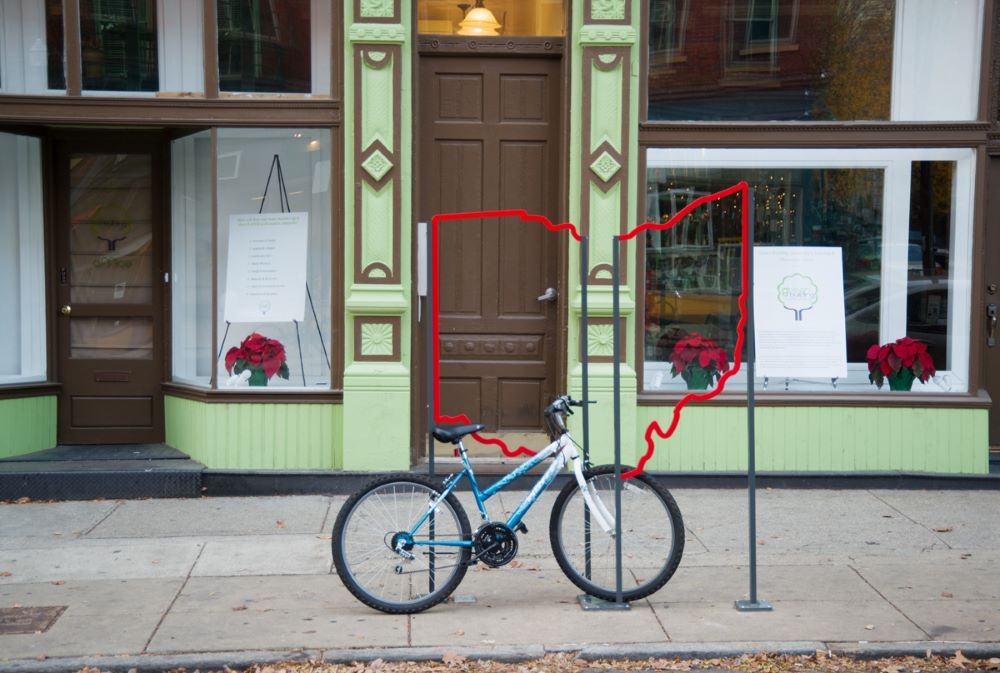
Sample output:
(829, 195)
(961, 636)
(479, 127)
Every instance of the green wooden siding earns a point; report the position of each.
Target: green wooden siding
(27, 424)
(256, 436)
(822, 439)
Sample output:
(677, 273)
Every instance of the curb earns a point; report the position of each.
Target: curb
(237, 660)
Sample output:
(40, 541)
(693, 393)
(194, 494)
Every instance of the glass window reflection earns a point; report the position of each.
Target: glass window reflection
(118, 45)
(264, 46)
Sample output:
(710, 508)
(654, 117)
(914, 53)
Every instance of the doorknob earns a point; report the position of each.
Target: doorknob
(991, 325)
(550, 294)
(66, 310)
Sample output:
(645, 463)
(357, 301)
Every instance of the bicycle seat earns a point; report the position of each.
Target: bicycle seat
(454, 433)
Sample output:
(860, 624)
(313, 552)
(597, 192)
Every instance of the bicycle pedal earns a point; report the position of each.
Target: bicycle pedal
(522, 528)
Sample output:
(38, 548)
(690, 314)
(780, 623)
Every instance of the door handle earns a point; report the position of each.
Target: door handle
(991, 325)
(550, 294)
(66, 310)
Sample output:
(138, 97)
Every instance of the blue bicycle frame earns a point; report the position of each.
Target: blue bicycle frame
(555, 449)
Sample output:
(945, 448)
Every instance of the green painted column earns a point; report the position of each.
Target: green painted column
(602, 178)
(377, 217)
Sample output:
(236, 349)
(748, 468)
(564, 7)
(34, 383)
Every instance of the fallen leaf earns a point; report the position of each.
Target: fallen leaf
(947, 594)
(894, 668)
(516, 564)
(59, 583)
(993, 664)
(4, 573)
(279, 523)
(960, 659)
(452, 659)
(460, 632)
(944, 529)
(238, 608)
(869, 627)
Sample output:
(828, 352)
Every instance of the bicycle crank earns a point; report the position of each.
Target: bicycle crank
(495, 544)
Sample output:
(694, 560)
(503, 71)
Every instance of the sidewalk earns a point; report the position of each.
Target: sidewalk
(153, 584)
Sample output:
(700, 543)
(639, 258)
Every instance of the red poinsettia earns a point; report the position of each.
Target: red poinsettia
(264, 358)
(699, 361)
(901, 361)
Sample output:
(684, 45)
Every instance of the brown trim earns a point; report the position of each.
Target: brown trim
(639, 333)
(913, 399)
(977, 321)
(17, 391)
(624, 21)
(643, 47)
(210, 49)
(816, 135)
(72, 47)
(336, 28)
(393, 57)
(270, 396)
(588, 178)
(395, 323)
(455, 45)
(363, 18)
(988, 67)
(171, 111)
(337, 233)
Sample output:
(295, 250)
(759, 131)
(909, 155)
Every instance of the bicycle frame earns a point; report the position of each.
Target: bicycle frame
(562, 451)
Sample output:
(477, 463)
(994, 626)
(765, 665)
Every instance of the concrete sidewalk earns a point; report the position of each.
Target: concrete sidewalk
(153, 584)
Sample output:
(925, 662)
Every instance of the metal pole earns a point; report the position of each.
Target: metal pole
(616, 371)
(753, 603)
(584, 363)
(429, 346)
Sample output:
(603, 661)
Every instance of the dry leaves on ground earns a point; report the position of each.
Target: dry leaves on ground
(567, 663)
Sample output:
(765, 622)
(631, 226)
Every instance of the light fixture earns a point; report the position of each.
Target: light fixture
(479, 21)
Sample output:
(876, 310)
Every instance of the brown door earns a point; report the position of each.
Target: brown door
(109, 291)
(489, 140)
(991, 307)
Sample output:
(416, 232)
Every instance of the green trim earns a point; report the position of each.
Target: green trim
(821, 439)
(27, 424)
(256, 436)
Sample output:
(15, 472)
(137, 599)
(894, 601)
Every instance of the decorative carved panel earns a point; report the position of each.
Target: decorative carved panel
(376, 338)
(376, 11)
(600, 339)
(614, 12)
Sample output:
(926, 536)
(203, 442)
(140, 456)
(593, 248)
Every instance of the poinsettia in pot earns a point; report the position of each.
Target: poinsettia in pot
(699, 361)
(259, 355)
(901, 362)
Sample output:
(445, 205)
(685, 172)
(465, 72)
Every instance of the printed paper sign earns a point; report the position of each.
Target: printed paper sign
(266, 267)
(799, 312)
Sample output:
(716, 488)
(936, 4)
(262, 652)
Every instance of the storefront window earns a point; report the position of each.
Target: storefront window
(813, 60)
(265, 46)
(274, 255)
(22, 261)
(505, 17)
(191, 258)
(118, 43)
(901, 217)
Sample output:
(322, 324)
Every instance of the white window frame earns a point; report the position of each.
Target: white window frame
(896, 162)
(180, 46)
(26, 171)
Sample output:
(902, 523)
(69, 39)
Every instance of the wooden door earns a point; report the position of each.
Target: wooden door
(991, 303)
(109, 291)
(489, 140)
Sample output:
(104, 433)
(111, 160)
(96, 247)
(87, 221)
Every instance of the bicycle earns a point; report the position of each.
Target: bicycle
(404, 543)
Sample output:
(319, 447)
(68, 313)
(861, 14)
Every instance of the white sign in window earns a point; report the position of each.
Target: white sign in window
(266, 269)
(798, 295)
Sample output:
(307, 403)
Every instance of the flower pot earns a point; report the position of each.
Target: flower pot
(901, 380)
(257, 376)
(696, 378)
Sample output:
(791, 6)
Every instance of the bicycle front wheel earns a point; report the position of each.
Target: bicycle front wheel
(652, 535)
(379, 519)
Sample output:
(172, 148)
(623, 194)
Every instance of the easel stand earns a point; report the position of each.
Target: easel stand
(286, 207)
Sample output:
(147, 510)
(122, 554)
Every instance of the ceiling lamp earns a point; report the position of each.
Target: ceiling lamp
(479, 21)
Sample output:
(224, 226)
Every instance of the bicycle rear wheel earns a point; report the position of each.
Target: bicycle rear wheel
(366, 533)
(652, 536)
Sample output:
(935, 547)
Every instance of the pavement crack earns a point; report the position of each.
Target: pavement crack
(103, 518)
(180, 589)
(909, 518)
(326, 517)
(886, 599)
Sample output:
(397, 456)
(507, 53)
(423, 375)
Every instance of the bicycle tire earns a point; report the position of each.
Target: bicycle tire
(652, 543)
(366, 561)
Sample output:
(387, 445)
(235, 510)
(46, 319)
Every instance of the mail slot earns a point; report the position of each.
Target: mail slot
(111, 377)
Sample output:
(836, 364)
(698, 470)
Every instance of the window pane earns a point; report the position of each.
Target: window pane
(264, 46)
(515, 17)
(111, 338)
(55, 43)
(246, 159)
(781, 60)
(692, 270)
(118, 45)
(22, 261)
(931, 217)
(191, 258)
